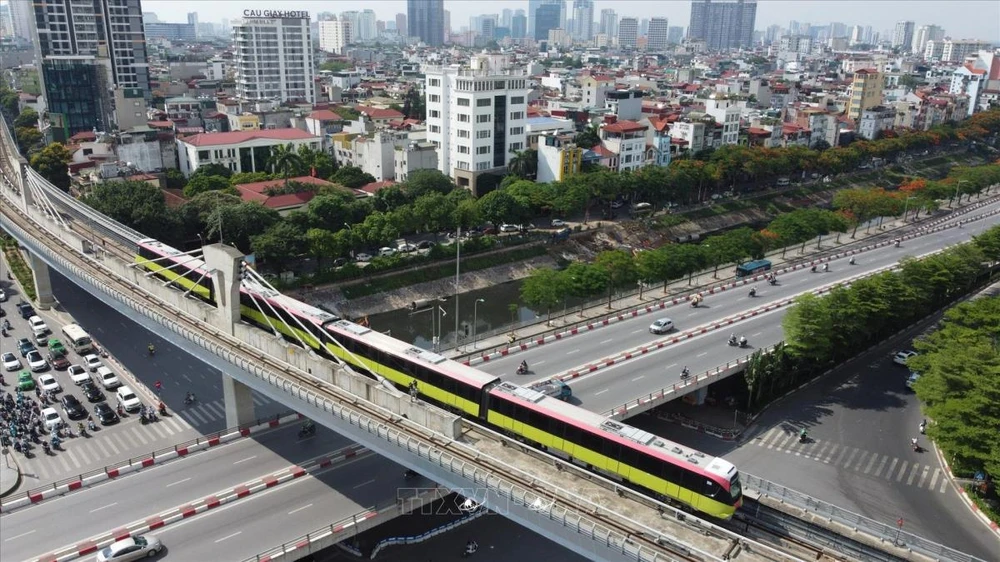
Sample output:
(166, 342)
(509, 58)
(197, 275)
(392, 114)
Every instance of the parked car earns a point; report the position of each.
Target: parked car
(362, 257)
(131, 548)
(56, 346)
(41, 339)
(661, 326)
(25, 381)
(407, 248)
(108, 378)
(91, 392)
(509, 228)
(617, 204)
(51, 419)
(78, 374)
(557, 223)
(72, 407)
(92, 362)
(36, 362)
(914, 377)
(386, 252)
(340, 262)
(25, 310)
(49, 383)
(901, 357)
(3, 296)
(106, 414)
(11, 362)
(426, 245)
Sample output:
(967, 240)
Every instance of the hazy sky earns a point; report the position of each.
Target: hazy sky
(979, 19)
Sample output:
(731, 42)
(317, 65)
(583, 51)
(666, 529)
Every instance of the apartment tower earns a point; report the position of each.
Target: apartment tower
(274, 58)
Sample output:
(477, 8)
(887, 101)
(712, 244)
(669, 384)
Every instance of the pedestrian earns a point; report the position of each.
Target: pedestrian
(159, 386)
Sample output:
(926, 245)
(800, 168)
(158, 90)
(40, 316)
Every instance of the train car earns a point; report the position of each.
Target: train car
(185, 271)
(651, 464)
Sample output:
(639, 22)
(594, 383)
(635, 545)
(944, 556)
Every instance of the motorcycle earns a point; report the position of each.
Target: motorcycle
(307, 431)
(522, 370)
(803, 436)
(813, 269)
(772, 281)
(410, 475)
(163, 410)
(897, 243)
(923, 427)
(189, 399)
(46, 448)
(734, 342)
(852, 262)
(56, 442)
(753, 293)
(470, 549)
(92, 426)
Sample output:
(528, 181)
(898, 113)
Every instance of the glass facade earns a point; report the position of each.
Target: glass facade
(78, 91)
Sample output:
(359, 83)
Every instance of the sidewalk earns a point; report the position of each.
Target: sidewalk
(10, 474)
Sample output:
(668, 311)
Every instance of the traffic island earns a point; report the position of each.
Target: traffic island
(10, 473)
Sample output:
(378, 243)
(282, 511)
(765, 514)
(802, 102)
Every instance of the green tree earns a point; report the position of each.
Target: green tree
(322, 244)
(204, 183)
(587, 138)
(423, 182)
(279, 244)
(316, 162)
(29, 139)
(351, 176)
(27, 118)
(9, 101)
(620, 269)
(212, 169)
(498, 207)
(285, 161)
(524, 164)
(807, 329)
(544, 288)
(138, 205)
(52, 162)
(467, 214)
(237, 224)
(174, 179)
(249, 177)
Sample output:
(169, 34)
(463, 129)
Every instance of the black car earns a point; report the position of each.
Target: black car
(425, 245)
(91, 392)
(25, 310)
(105, 413)
(24, 345)
(72, 407)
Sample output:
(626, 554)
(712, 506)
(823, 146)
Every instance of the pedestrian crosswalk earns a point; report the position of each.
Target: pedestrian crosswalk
(202, 413)
(874, 465)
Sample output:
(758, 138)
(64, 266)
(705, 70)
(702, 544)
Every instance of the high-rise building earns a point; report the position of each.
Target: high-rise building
(902, 36)
(609, 23)
(955, 50)
(363, 25)
(658, 36)
(723, 25)
(401, 21)
(193, 21)
(274, 59)
(476, 116)
(546, 18)
(6, 22)
(505, 17)
(675, 34)
(583, 16)
(924, 34)
(533, 6)
(425, 19)
(857, 35)
(487, 27)
(21, 19)
(171, 31)
(643, 27)
(628, 33)
(519, 26)
(447, 26)
(86, 48)
(865, 92)
(334, 35)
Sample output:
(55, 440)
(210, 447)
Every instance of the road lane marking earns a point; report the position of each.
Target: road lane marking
(298, 509)
(187, 377)
(176, 483)
(871, 463)
(850, 459)
(902, 472)
(892, 468)
(82, 450)
(137, 431)
(944, 484)
(934, 477)
(784, 442)
(15, 537)
(100, 445)
(864, 455)
(843, 451)
(601, 392)
(104, 507)
(671, 365)
(228, 537)
(913, 474)
(607, 341)
(637, 331)
(761, 439)
(538, 362)
(923, 476)
(639, 377)
(881, 465)
(819, 455)
(572, 352)
(372, 481)
(246, 459)
(755, 335)
(62, 460)
(702, 354)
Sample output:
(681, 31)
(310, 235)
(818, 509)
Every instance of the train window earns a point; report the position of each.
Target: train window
(612, 449)
(593, 442)
(711, 489)
(572, 434)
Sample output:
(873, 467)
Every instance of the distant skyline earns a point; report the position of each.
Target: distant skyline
(961, 19)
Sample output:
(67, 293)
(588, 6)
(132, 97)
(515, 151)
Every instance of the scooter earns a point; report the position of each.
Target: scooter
(470, 549)
(522, 370)
(753, 293)
(733, 342)
(189, 399)
(410, 475)
(307, 431)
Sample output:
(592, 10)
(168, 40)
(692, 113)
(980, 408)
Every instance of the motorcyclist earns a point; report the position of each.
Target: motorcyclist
(913, 442)
(803, 434)
(151, 348)
(162, 408)
(743, 341)
(471, 547)
(732, 339)
(852, 260)
(189, 398)
(923, 427)
(685, 373)
(897, 243)
(79, 428)
(523, 368)
(753, 291)
(813, 269)
(826, 267)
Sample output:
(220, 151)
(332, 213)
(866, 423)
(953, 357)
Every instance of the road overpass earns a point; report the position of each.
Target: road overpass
(555, 499)
(619, 363)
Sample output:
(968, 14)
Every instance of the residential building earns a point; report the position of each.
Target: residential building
(363, 25)
(976, 78)
(274, 59)
(22, 12)
(130, 108)
(727, 114)
(594, 89)
(624, 104)
(334, 35)
(675, 34)
(413, 156)
(657, 37)
(623, 145)
(609, 23)
(546, 18)
(933, 50)
(865, 92)
(875, 120)
(425, 19)
(533, 6)
(723, 25)
(476, 116)
(402, 26)
(902, 36)
(284, 203)
(537, 127)
(821, 124)
(688, 135)
(955, 50)
(240, 151)
(560, 39)
(658, 140)
(924, 34)
(628, 33)
(558, 158)
(171, 31)
(583, 15)
(322, 123)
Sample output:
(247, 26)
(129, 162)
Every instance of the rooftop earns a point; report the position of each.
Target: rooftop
(237, 137)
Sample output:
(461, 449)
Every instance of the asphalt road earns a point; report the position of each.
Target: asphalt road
(652, 372)
(77, 516)
(860, 420)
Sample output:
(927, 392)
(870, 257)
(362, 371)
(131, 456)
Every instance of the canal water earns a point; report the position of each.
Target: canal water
(500, 308)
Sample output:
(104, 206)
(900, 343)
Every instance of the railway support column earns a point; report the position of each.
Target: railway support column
(43, 284)
(224, 263)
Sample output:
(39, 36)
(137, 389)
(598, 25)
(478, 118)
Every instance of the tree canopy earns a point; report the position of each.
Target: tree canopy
(52, 162)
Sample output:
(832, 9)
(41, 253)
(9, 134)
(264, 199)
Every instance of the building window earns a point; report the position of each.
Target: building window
(516, 100)
(463, 118)
(484, 102)
(462, 134)
(464, 102)
(517, 130)
(484, 118)
(435, 129)
(516, 146)
(462, 149)
(434, 113)
(483, 150)
(434, 98)
(434, 82)
(462, 165)
(484, 134)
(499, 84)
(480, 166)
(516, 115)
(203, 155)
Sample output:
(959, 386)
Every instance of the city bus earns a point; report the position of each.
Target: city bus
(77, 339)
(752, 268)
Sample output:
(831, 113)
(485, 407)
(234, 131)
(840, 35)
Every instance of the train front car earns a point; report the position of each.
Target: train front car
(660, 468)
(170, 264)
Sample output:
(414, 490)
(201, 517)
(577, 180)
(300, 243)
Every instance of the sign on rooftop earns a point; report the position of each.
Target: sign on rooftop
(293, 14)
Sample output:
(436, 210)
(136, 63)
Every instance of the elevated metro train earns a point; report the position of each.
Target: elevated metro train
(666, 470)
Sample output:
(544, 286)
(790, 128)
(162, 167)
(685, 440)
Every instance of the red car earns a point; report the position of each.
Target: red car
(58, 361)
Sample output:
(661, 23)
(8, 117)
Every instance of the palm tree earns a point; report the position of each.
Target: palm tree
(524, 164)
(285, 160)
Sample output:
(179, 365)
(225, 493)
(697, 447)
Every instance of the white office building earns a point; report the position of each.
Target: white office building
(476, 116)
(656, 38)
(628, 33)
(274, 58)
(334, 35)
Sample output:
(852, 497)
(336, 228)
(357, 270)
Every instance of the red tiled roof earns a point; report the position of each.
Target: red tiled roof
(375, 186)
(236, 137)
(661, 124)
(603, 151)
(84, 136)
(978, 71)
(624, 127)
(376, 113)
(256, 191)
(758, 131)
(325, 115)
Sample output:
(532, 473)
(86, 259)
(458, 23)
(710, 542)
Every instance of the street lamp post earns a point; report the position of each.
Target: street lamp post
(958, 196)
(352, 241)
(475, 311)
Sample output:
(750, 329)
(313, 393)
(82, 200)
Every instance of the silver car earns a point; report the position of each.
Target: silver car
(132, 548)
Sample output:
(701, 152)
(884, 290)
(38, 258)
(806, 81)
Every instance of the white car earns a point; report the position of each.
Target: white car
(902, 357)
(509, 228)
(38, 325)
(661, 326)
(386, 252)
(557, 223)
(36, 362)
(48, 382)
(78, 374)
(107, 378)
(51, 419)
(92, 362)
(407, 248)
(362, 257)
(914, 377)
(11, 362)
(131, 548)
(128, 399)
